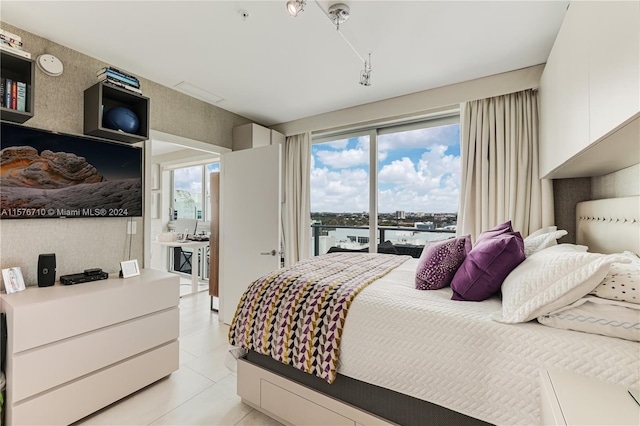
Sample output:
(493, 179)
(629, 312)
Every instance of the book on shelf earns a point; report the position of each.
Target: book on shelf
(3, 83)
(113, 76)
(122, 85)
(21, 96)
(11, 44)
(18, 52)
(7, 92)
(10, 35)
(116, 71)
(10, 39)
(14, 95)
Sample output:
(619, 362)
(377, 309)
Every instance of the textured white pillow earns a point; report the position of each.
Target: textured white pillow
(535, 243)
(622, 281)
(597, 316)
(545, 230)
(566, 247)
(549, 280)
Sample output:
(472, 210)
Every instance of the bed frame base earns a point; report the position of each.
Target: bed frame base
(294, 397)
(294, 404)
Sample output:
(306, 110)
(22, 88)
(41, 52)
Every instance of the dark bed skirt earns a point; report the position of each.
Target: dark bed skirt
(388, 404)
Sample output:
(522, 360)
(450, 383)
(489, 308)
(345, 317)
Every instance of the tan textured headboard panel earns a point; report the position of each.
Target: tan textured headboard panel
(611, 225)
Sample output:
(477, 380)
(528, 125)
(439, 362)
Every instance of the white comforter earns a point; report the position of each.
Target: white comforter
(451, 353)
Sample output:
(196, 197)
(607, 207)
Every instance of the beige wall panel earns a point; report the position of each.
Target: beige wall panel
(623, 183)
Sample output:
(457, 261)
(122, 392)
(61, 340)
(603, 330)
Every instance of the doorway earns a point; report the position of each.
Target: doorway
(165, 153)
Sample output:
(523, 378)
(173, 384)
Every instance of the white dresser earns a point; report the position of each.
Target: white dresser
(72, 350)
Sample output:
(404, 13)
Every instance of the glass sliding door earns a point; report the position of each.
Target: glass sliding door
(418, 184)
(340, 193)
(411, 198)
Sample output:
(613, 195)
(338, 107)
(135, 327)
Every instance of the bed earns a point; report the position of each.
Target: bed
(418, 357)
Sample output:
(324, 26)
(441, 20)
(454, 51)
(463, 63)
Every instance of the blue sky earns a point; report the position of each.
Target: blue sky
(419, 171)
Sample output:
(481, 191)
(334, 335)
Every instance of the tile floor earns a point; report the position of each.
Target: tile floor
(201, 392)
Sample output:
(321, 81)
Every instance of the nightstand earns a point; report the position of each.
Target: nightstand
(572, 399)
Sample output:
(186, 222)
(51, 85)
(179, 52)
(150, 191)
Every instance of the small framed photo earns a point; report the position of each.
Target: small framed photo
(129, 268)
(13, 280)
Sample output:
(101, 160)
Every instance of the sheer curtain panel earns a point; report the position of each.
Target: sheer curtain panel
(499, 153)
(296, 211)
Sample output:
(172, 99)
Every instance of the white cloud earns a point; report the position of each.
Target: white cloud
(345, 190)
(423, 138)
(341, 144)
(189, 179)
(343, 159)
(431, 185)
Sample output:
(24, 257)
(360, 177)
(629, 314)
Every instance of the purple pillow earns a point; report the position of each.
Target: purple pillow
(439, 262)
(494, 232)
(486, 266)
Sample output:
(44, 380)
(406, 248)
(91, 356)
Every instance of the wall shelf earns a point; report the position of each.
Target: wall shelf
(102, 97)
(21, 69)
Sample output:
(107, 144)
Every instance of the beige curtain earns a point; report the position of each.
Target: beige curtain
(500, 179)
(296, 209)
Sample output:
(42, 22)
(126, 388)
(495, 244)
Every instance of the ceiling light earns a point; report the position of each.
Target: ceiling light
(296, 6)
(365, 74)
(339, 13)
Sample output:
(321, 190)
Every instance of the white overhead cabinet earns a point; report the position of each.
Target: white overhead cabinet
(252, 135)
(590, 92)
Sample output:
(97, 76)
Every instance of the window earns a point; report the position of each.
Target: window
(413, 197)
(190, 196)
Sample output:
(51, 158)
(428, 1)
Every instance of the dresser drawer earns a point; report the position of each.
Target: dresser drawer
(75, 400)
(45, 367)
(42, 315)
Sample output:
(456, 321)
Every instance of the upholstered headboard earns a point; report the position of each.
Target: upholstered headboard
(611, 225)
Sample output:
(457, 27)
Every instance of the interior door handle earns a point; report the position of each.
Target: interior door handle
(268, 253)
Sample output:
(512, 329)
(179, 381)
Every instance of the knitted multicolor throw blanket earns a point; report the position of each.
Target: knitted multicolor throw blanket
(296, 314)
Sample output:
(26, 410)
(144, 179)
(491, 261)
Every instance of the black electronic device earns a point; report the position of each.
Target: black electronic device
(83, 278)
(46, 269)
(106, 177)
(93, 271)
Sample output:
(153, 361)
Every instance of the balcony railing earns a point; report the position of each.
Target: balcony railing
(405, 239)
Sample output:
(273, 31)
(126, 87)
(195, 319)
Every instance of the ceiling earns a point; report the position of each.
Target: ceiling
(273, 68)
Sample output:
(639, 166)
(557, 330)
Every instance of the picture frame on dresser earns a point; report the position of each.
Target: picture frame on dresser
(13, 280)
(130, 268)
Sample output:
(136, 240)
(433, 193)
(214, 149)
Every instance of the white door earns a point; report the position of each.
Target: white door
(249, 221)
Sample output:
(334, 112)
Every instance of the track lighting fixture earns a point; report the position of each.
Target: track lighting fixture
(338, 13)
(294, 7)
(365, 74)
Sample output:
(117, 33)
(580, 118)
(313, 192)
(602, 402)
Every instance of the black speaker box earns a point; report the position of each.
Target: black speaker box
(46, 269)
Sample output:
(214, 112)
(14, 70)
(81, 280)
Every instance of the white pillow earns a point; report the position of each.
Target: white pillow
(622, 282)
(597, 316)
(545, 230)
(566, 247)
(549, 280)
(534, 243)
